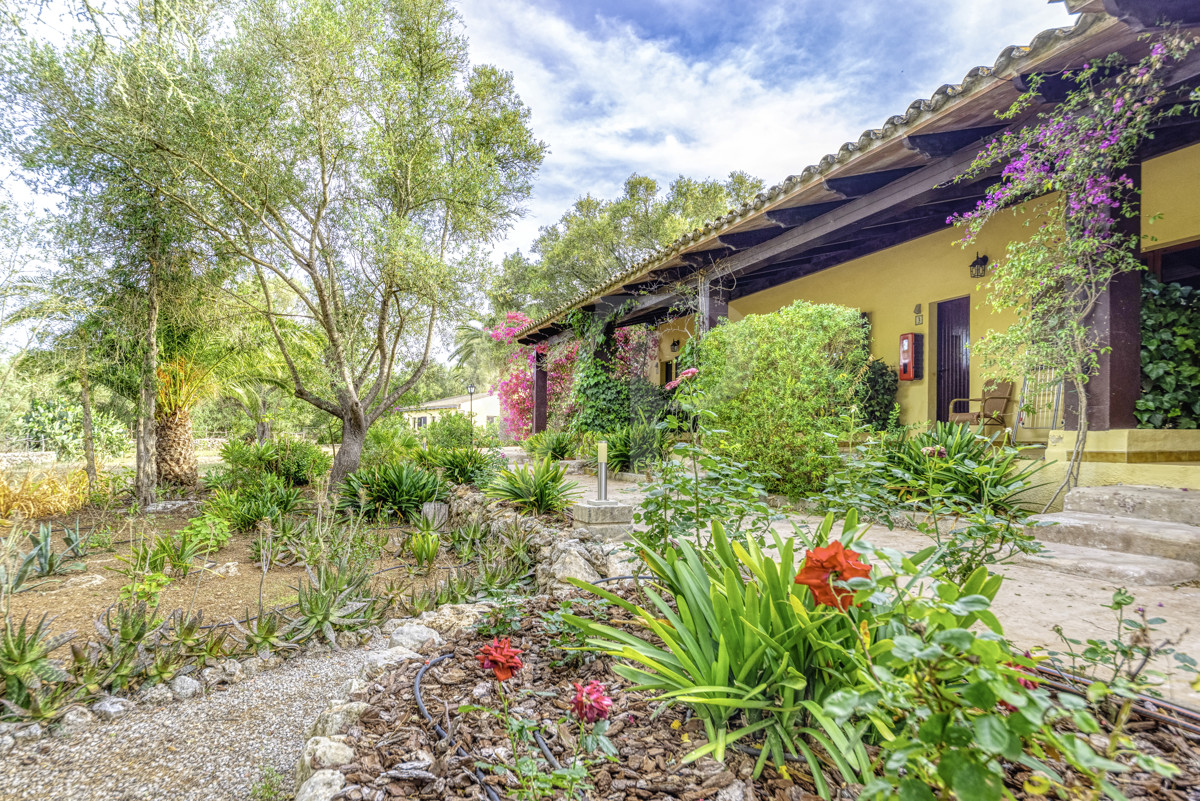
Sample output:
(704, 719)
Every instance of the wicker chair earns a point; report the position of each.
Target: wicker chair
(992, 406)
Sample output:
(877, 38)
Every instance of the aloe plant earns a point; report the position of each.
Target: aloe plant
(25, 662)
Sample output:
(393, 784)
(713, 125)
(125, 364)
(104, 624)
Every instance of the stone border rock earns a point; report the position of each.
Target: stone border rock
(560, 553)
(316, 776)
(11, 459)
(183, 687)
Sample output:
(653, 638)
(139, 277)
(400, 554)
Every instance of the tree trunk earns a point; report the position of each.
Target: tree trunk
(354, 436)
(176, 450)
(89, 439)
(146, 480)
(262, 431)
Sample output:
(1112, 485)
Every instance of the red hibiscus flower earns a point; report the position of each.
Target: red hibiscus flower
(825, 565)
(500, 658)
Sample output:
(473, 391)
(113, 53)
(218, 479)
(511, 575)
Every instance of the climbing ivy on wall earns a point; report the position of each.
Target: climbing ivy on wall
(610, 385)
(1170, 356)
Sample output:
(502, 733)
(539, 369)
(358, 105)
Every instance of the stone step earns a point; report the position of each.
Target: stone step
(1129, 535)
(1168, 504)
(1117, 568)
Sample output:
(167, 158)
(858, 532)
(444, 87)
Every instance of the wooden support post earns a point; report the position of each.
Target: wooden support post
(714, 304)
(1116, 324)
(540, 400)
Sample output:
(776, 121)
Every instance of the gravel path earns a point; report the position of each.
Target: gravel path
(212, 749)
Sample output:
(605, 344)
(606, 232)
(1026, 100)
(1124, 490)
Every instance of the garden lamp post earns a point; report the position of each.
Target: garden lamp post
(602, 470)
(471, 413)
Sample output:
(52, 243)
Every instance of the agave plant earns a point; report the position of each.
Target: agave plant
(393, 490)
(164, 662)
(465, 540)
(424, 547)
(46, 561)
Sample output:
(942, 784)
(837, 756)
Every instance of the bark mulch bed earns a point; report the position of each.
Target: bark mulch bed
(399, 755)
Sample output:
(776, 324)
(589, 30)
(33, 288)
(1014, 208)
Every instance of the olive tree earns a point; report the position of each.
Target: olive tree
(348, 149)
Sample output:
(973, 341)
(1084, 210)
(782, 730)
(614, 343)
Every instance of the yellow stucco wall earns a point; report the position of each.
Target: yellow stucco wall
(1169, 193)
(484, 405)
(889, 284)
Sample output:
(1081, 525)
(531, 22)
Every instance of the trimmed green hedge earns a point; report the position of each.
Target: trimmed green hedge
(779, 383)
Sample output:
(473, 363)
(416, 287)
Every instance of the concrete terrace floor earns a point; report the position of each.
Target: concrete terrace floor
(1033, 600)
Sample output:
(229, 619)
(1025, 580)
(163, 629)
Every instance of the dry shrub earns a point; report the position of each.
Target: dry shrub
(39, 495)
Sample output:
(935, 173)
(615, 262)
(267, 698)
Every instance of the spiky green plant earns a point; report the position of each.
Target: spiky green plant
(539, 490)
(265, 632)
(25, 662)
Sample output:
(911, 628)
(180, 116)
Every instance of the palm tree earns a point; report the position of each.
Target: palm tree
(183, 381)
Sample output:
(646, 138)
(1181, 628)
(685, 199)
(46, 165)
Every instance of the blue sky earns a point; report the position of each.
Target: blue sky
(700, 88)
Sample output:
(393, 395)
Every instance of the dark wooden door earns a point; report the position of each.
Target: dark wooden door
(953, 354)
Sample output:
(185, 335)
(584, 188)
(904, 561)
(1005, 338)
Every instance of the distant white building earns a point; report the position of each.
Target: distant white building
(483, 406)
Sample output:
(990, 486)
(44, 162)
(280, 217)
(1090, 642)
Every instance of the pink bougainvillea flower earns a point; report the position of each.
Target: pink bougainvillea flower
(591, 703)
(500, 658)
(825, 565)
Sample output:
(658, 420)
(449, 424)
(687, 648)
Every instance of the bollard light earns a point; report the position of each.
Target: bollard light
(602, 471)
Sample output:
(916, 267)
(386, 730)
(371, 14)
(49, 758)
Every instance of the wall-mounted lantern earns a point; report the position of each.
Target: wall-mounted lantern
(979, 266)
(674, 346)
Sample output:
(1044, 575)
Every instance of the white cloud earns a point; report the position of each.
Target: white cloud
(610, 102)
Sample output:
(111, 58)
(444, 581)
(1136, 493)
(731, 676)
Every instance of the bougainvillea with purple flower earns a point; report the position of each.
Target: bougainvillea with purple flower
(1067, 176)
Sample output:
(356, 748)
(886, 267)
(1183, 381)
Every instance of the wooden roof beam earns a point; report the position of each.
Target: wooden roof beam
(851, 186)
(703, 258)
(943, 143)
(748, 239)
(903, 194)
(797, 215)
(1141, 15)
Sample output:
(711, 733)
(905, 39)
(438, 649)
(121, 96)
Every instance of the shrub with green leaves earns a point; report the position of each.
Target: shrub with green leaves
(877, 394)
(450, 430)
(955, 465)
(390, 439)
(298, 462)
(58, 426)
(777, 383)
(542, 489)
(635, 447)
(393, 490)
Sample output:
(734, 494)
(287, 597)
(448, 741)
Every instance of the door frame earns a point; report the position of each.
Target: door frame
(941, 411)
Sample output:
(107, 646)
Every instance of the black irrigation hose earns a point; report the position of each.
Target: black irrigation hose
(487, 788)
(624, 578)
(537, 735)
